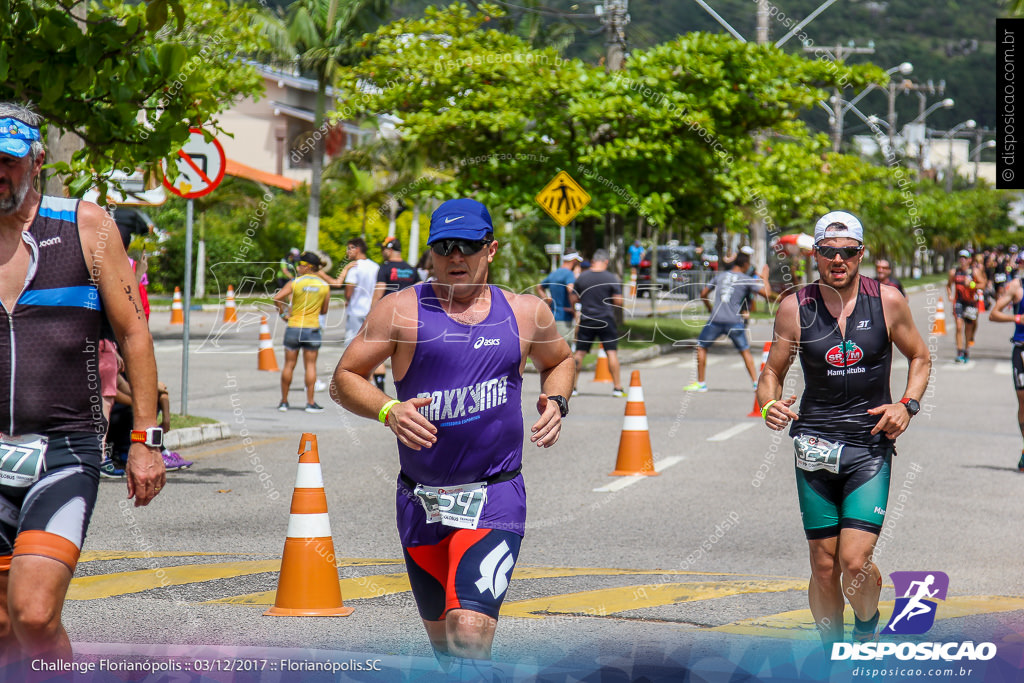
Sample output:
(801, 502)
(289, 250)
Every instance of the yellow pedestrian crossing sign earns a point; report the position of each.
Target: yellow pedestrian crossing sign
(563, 198)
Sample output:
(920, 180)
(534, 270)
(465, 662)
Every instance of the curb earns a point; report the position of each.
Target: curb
(193, 436)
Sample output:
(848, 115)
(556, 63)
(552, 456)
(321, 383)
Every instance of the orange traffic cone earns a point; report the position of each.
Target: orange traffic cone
(267, 360)
(756, 410)
(601, 371)
(939, 325)
(981, 302)
(635, 456)
(308, 584)
(230, 314)
(177, 310)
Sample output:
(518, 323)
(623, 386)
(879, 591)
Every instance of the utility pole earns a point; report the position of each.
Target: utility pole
(615, 18)
(839, 54)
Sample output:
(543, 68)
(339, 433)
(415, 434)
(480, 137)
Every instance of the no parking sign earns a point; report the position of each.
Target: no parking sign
(201, 165)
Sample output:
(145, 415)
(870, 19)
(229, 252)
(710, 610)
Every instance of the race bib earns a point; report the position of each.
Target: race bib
(815, 453)
(21, 459)
(455, 506)
(970, 312)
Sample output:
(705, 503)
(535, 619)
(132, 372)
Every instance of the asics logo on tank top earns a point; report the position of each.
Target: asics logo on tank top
(483, 341)
(470, 400)
(494, 571)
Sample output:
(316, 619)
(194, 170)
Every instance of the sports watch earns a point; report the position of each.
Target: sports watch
(913, 407)
(563, 404)
(154, 436)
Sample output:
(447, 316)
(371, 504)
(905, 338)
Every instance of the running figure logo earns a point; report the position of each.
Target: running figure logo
(914, 611)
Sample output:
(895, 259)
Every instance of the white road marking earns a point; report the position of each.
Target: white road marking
(623, 482)
(732, 431)
(1002, 369)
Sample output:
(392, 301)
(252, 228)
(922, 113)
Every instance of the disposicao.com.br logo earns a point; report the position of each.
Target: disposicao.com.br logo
(913, 614)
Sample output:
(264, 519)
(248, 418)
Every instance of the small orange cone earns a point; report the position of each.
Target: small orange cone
(939, 325)
(308, 584)
(267, 360)
(756, 410)
(981, 302)
(177, 310)
(601, 371)
(635, 456)
(230, 314)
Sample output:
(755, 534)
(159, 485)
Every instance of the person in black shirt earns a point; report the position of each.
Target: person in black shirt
(598, 293)
(393, 276)
(883, 273)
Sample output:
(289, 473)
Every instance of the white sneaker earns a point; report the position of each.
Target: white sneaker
(319, 386)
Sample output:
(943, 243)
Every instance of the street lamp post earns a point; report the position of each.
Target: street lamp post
(920, 118)
(906, 68)
(968, 124)
(976, 154)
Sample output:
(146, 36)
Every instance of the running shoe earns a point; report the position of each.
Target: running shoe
(108, 470)
(174, 462)
(314, 408)
(696, 386)
(319, 385)
(865, 631)
(282, 406)
(1020, 463)
(575, 392)
(618, 393)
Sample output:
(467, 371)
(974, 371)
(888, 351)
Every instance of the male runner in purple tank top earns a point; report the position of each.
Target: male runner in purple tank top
(458, 347)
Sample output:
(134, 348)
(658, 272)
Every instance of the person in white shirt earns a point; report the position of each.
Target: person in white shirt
(359, 276)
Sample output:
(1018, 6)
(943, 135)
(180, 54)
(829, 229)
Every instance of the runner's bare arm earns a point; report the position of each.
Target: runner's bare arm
(553, 360)
(281, 298)
(894, 418)
(119, 292)
(785, 342)
(950, 284)
(378, 293)
(1011, 295)
(377, 341)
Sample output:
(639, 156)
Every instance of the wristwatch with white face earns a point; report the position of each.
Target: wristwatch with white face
(154, 436)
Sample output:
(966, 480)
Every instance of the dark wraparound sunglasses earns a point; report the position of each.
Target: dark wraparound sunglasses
(466, 247)
(844, 252)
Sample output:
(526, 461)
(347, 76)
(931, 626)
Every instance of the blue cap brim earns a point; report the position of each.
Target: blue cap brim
(14, 147)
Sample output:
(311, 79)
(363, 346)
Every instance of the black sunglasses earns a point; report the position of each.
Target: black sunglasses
(844, 252)
(467, 247)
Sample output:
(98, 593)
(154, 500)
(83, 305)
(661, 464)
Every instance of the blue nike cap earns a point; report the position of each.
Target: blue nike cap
(465, 219)
(16, 137)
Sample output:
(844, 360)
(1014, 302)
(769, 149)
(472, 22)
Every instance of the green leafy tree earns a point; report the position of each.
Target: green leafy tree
(318, 37)
(125, 77)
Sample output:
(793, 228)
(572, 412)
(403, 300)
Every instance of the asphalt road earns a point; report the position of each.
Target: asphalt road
(700, 571)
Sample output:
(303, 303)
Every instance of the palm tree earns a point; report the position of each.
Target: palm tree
(318, 37)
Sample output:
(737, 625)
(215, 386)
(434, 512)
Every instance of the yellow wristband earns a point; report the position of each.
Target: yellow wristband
(383, 414)
(764, 411)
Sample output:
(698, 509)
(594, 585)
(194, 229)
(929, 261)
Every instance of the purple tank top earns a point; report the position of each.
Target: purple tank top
(471, 373)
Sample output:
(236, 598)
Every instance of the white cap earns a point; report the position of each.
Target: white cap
(749, 251)
(572, 256)
(838, 224)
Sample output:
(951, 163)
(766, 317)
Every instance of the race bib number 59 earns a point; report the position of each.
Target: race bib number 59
(455, 506)
(815, 453)
(21, 459)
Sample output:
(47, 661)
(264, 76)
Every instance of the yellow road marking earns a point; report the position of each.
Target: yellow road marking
(624, 598)
(555, 572)
(799, 624)
(374, 586)
(122, 583)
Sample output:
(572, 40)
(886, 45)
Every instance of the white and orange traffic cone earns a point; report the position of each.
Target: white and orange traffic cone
(602, 373)
(230, 313)
(266, 360)
(756, 410)
(635, 455)
(981, 301)
(177, 310)
(939, 325)
(308, 584)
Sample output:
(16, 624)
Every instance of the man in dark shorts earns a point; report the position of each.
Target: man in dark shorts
(63, 269)
(843, 326)
(965, 281)
(599, 293)
(731, 289)
(1012, 297)
(458, 348)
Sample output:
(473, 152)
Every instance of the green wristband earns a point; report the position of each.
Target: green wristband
(764, 411)
(383, 414)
